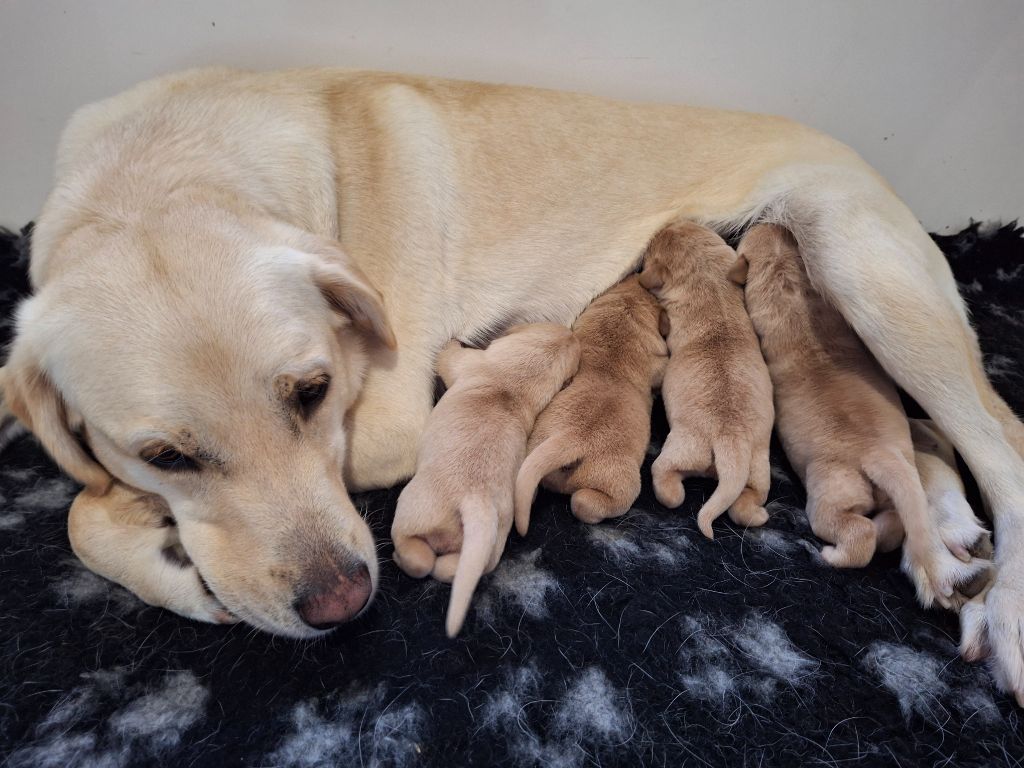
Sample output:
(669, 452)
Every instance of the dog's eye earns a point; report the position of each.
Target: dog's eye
(169, 459)
(309, 394)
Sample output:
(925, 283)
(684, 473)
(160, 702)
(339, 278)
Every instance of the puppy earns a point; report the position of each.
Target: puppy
(841, 423)
(591, 440)
(716, 388)
(454, 516)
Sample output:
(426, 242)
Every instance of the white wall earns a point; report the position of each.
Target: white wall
(929, 91)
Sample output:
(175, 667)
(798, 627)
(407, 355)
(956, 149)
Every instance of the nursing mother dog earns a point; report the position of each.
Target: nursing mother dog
(242, 281)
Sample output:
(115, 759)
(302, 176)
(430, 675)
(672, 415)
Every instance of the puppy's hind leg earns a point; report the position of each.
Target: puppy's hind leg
(611, 499)
(681, 457)
(748, 510)
(865, 251)
(836, 505)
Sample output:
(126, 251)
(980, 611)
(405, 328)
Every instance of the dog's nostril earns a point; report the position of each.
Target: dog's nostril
(336, 600)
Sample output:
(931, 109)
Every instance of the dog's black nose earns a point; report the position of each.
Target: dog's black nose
(336, 600)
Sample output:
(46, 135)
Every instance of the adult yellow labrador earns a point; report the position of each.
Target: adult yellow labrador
(242, 281)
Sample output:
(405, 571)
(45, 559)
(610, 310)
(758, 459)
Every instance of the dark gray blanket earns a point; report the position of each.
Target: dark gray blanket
(634, 642)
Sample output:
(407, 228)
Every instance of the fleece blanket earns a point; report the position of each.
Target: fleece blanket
(636, 642)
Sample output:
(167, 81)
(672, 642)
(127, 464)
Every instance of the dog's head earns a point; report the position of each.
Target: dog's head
(209, 357)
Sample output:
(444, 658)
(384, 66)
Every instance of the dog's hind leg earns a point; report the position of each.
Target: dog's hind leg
(867, 254)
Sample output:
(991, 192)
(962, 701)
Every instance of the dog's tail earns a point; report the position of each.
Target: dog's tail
(479, 542)
(551, 454)
(10, 428)
(732, 463)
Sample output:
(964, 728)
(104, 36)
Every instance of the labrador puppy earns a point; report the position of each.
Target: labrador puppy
(717, 393)
(453, 518)
(591, 440)
(842, 426)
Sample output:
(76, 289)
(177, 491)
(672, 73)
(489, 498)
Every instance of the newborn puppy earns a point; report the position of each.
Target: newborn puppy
(717, 392)
(841, 424)
(591, 440)
(454, 516)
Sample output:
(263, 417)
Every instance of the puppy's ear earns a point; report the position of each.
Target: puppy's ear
(31, 396)
(738, 271)
(451, 361)
(664, 325)
(348, 291)
(651, 277)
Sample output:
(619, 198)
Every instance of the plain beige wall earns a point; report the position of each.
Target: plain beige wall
(929, 91)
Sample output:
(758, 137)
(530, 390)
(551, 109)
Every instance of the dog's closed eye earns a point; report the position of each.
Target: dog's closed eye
(309, 394)
(168, 458)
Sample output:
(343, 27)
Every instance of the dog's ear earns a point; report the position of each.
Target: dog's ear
(348, 291)
(738, 271)
(32, 397)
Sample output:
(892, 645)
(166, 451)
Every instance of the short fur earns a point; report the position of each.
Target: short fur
(453, 518)
(842, 426)
(591, 440)
(717, 393)
(462, 207)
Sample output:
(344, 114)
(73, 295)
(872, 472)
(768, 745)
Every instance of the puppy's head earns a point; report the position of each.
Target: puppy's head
(209, 358)
(534, 360)
(767, 253)
(681, 251)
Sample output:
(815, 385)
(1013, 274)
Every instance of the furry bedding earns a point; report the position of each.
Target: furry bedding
(633, 642)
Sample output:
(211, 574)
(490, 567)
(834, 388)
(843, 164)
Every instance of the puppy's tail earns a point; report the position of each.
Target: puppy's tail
(479, 543)
(551, 454)
(732, 463)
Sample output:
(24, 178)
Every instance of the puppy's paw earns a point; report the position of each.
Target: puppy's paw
(939, 576)
(748, 515)
(669, 491)
(960, 530)
(414, 556)
(593, 506)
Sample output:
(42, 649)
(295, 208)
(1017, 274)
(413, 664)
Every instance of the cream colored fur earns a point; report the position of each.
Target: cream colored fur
(454, 516)
(467, 207)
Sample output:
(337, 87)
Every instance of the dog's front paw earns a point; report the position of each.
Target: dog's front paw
(941, 577)
(179, 588)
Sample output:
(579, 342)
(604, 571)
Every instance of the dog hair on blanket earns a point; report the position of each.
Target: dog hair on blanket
(716, 388)
(842, 425)
(454, 516)
(592, 438)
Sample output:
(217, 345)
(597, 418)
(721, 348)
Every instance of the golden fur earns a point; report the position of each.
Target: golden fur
(841, 423)
(717, 393)
(591, 440)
